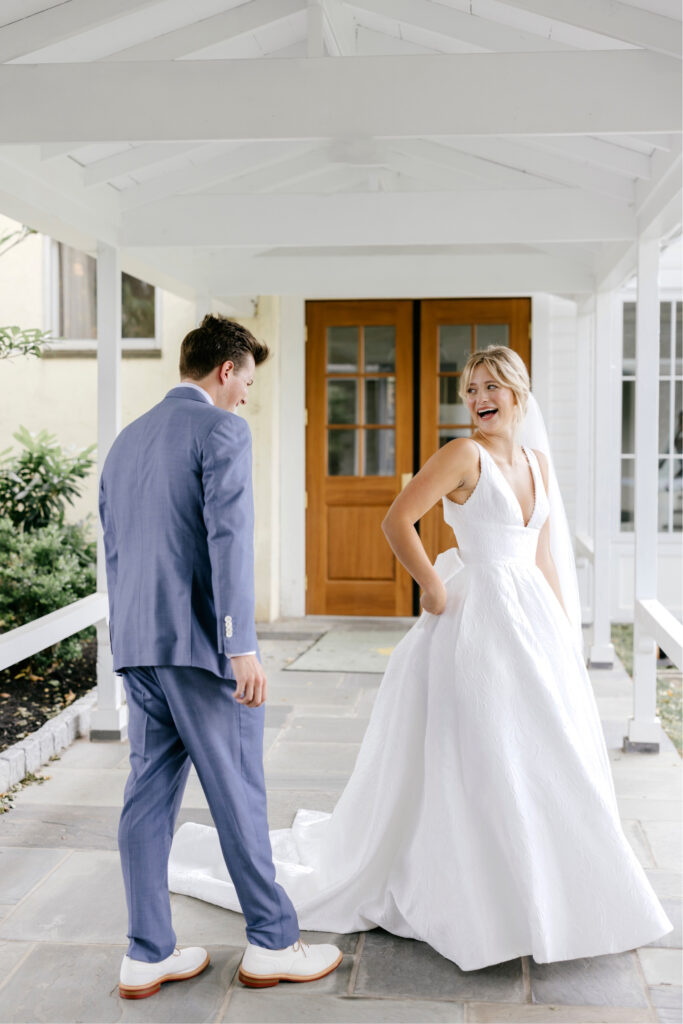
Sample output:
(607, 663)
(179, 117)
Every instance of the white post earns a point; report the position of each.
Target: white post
(110, 718)
(585, 401)
(602, 650)
(292, 466)
(644, 727)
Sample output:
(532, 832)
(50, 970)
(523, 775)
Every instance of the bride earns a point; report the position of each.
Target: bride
(481, 815)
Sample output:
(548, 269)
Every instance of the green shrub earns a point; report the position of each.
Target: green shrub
(36, 484)
(40, 571)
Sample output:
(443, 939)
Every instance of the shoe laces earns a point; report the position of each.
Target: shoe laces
(300, 946)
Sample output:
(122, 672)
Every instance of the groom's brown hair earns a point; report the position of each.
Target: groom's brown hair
(216, 340)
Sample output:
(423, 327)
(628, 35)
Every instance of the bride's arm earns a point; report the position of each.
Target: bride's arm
(544, 559)
(453, 466)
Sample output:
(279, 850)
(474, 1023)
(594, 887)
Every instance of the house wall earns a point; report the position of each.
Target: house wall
(59, 394)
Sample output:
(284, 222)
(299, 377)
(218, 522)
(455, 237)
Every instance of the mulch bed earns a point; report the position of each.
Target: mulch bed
(27, 701)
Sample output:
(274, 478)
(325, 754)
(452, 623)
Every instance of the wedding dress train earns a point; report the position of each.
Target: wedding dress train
(481, 815)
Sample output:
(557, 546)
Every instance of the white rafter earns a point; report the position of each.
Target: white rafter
(464, 94)
(131, 160)
(611, 18)
(551, 166)
(339, 29)
(427, 218)
(610, 157)
(239, 21)
(55, 24)
(249, 157)
(454, 24)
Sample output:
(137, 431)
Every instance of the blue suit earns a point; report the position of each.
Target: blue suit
(177, 513)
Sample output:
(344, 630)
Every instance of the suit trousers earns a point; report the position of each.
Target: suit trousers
(180, 715)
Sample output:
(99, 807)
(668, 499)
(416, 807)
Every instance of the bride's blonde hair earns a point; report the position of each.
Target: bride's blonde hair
(506, 368)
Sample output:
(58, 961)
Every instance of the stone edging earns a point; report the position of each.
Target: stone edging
(56, 734)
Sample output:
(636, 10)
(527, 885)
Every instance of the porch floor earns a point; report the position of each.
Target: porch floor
(62, 908)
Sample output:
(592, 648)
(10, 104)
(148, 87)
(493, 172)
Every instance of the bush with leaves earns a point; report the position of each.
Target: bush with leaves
(41, 571)
(36, 484)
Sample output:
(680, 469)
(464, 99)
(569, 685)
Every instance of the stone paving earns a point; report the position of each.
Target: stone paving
(63, 919)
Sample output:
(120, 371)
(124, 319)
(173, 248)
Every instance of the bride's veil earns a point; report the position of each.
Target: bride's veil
(533, 434)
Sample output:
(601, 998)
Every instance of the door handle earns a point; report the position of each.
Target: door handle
(405, 479)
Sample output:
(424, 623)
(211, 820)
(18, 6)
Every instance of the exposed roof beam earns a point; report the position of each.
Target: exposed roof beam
(251, 156)
(54, 24)
(447, 21)
(609, 156)
(276, 175)
(492, 172)
(433, 218)
(131, 160)
(471, 94)
(664, 190)
(340, 29)
(315, 29)
(611, 18)
(197, 36)
(551, 166)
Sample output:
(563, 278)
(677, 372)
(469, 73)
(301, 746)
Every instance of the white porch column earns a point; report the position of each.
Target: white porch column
(292, 386)
(110, 718)
(585, 365)
(604, 362)
(644, 727)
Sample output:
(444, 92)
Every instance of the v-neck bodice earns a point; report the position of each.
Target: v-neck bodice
(490, 525)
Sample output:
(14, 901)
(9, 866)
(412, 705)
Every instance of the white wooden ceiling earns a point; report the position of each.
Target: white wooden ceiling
(326, 148)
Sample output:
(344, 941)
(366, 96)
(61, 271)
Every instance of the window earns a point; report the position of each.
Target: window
(74, 303)
(670, 458)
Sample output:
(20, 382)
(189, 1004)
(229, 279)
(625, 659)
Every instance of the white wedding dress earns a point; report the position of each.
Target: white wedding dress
(481, 815)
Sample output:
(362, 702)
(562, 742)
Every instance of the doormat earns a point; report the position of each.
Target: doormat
(350, 650)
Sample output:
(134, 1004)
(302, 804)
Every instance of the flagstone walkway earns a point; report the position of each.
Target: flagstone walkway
(62, 912)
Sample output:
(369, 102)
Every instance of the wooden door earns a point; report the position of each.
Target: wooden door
(359, 452)
(450, 329)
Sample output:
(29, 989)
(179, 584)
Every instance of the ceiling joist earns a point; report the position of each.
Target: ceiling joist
(466, 94)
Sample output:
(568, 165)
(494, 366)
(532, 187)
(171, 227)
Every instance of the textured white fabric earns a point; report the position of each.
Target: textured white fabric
(481, 815)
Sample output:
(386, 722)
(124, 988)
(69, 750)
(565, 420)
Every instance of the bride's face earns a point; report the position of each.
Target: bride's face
(492, 406)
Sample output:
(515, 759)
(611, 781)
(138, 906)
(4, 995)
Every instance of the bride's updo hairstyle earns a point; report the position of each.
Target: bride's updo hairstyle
(506, 368)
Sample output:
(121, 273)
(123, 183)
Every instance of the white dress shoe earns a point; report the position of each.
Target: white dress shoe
(261, 968)
(139, 980)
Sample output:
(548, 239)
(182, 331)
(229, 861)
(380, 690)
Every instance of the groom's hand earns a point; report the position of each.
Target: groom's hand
(251, 680)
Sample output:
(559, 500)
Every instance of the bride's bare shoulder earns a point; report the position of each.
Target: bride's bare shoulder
(462, 455)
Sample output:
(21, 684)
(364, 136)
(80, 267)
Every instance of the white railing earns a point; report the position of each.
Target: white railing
(22, 642)
(664, 628)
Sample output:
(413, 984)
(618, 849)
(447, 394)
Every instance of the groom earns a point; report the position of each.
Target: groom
(177, 514)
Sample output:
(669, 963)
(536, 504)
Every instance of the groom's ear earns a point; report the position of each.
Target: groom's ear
(224, 369)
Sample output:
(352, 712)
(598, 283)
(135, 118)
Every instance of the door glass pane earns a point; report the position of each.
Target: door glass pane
(380, 459)
(341, 401)
(451, 409)
(679, 338)
(678, 416)
(380, 349)
(628, 416)
(342, 349)
(627, 490)
(629, 338)
(678, 495)
(447, 434)
(664, 407)
(664, 338)
(342, 452)
(455, 345)
(492, 334)
(380, 400)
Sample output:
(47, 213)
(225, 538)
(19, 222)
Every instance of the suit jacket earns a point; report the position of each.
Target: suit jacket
(177, 512)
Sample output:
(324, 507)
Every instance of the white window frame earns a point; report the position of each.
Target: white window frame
(626, 536)
(86, 346)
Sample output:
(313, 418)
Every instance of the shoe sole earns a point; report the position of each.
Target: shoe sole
(143, 991)
(268, 980)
